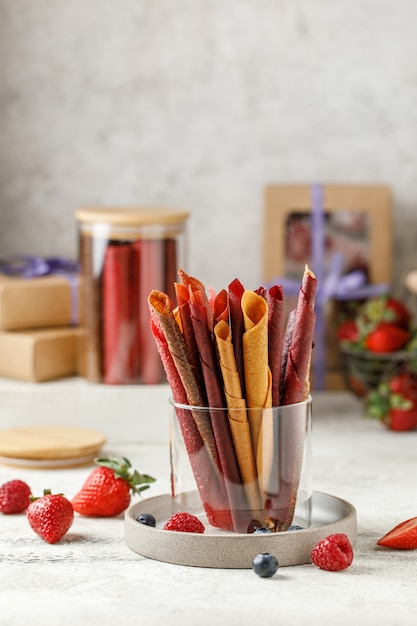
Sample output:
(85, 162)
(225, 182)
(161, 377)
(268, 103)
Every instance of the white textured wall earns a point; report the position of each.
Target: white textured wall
(199, 104)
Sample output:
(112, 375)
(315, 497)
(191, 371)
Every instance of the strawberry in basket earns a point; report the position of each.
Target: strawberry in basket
(394, 402)
(381, 324)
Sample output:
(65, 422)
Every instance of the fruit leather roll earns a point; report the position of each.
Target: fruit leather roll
(117, 314)
(221, 306)
(209, 488)
(255, 359)
(228, 464)
(149, 268)
(161, 311)
(275, 302)
(298, 343)
(301, 342)
(238, 419)
(186, 324)
(196, 286)
(235, 293)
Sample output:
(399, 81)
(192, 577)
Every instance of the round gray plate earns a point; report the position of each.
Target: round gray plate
(221, 549)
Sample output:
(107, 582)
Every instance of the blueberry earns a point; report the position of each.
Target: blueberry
(295, 527)
(265, 565)
(261, 531)
(147, 518)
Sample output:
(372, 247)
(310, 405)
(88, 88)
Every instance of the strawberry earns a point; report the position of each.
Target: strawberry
(401, 537)
(14, 497)
(385, 309)
(404, 383)
(398, 312)
(401, 419)
(107, 490)
(333, 553)
(185, 523)
(386, 337)
(380, 324)
(394, 402)
(348, 331)
(50, 516)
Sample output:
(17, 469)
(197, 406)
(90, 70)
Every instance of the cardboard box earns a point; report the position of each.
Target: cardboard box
(355, 222)
(39, 355)
(38, 302)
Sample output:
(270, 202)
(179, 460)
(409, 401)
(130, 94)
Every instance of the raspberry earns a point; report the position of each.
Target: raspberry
(14, 497)
(333, 553)
(185, 523)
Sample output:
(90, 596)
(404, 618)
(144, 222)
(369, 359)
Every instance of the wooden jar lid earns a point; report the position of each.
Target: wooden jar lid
(49, 445)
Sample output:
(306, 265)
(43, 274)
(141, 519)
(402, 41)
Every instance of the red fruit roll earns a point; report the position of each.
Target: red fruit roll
(228, 464)
(298, 341)
(299, 354)
(150, 273)
(235, 291)
(208, 486)
(116, 315)
(196, 286)
(182, 296)
(161, 311)
(221, 307)
(275, 301)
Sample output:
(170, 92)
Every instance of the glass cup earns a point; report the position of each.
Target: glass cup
(243, 468)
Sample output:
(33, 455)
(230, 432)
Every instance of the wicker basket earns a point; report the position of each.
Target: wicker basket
(363, 370)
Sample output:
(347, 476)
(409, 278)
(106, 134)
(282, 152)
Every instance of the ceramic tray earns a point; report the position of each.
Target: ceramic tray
(221, 549)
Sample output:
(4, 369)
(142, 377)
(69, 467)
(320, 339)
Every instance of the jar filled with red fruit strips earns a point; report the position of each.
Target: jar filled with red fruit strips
(124, 253)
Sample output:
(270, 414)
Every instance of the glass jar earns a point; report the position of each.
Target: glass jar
(124, 253)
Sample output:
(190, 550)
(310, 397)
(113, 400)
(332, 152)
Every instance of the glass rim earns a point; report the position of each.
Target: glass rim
(191, 407)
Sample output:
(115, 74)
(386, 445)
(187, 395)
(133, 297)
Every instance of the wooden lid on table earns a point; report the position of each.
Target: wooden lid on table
(49, 446)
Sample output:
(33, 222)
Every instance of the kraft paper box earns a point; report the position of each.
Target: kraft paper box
(38, 302)
(356, 223)
(39, 355)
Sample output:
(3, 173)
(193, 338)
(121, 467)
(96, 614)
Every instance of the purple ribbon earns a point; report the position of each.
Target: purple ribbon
(331, 283)
(26, 266)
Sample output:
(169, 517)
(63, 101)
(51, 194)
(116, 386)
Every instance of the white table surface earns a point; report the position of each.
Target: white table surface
(92, 577)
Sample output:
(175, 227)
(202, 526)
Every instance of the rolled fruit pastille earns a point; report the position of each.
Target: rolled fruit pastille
(238, 419)
(216, 400)
(186, 326)
(298, 343)
(221, 306)
(235, 293)
(209, 488)
(161, 310)
(258, 381)
(275, 302)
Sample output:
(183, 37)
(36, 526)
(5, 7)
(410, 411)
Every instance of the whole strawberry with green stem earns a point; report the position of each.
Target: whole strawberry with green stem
(107, 490)
(394, 402)
(50, 516)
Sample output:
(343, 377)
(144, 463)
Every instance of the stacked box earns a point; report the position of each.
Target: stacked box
(39, 335)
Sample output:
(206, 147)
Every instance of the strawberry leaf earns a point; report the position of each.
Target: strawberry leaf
(121, 466)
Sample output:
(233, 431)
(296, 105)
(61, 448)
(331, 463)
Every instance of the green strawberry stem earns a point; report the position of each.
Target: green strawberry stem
(122, 469)
(46, 492)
